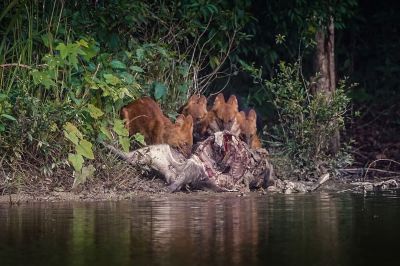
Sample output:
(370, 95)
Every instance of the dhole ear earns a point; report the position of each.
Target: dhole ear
(189, 120)
(218, 101)
(203, 100)
(252, 115)
(242, 115)
(193, 99)
(180, 120)
(233, 101)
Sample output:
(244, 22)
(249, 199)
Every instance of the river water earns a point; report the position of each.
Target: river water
(312, 229)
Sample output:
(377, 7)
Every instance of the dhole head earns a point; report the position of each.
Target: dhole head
(226, 112)
(180, 135)
(248, 126)
(196, 107)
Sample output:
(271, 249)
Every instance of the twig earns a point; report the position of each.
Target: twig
(389, 160)
(20, 65)
(16, 65)
(361, 170)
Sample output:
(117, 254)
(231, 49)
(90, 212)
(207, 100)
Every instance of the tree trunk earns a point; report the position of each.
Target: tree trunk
(324, 65)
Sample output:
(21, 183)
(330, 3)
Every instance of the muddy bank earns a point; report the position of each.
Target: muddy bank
(155, 189)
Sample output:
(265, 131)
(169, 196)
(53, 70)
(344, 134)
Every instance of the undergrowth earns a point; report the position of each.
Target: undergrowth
(67, 68)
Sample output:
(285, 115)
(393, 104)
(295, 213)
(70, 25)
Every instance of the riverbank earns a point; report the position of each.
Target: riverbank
(155, 189)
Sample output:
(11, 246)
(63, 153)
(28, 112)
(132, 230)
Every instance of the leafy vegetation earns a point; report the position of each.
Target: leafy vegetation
(67, 67)
(306, 122)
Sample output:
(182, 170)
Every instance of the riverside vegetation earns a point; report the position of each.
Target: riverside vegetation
(68, 67)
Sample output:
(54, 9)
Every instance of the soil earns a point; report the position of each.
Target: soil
(155, 189)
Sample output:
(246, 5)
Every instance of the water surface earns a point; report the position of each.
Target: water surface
(313, 229)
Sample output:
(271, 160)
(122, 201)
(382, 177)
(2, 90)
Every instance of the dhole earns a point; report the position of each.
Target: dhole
(145, 116)
(197, 108)
(223, 115)
(248, 128)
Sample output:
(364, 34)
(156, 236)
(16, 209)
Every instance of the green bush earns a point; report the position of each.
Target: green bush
(305, 124)
(67, 68)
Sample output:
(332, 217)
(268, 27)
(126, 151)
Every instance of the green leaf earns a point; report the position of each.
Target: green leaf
(94, 111)
(139, 138)
(140, 54)
(83, 43)
(184, 70)
(70, 128)
(116, 64)
(85, 149)
(124, 141)
(76, 160)
(63, 50)
(120, 128)
(47, 39)
(111, 79)
(136, 69)
(43, 77)
(160, 90)
(9, 117)
(72, 137)
(106, 132)
(127, 78)
(2, 128)
(214, 62)
(183, 88)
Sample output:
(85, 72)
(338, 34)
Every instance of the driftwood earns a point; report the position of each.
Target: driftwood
(222, 162)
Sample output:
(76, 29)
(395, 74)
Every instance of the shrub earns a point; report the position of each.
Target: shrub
(305, 122)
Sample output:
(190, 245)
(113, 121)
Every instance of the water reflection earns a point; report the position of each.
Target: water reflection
(318, 229)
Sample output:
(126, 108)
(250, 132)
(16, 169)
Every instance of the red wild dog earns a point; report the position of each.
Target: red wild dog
(223, 115)
(197, 108)
(248, 128)
(145, 116)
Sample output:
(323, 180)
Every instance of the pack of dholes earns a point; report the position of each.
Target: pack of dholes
(195, 122)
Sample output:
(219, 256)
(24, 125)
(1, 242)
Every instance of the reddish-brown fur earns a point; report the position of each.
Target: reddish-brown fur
(223, 115)
(248, 128)
(197, 108)
(145, 116)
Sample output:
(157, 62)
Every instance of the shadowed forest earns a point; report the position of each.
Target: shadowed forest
(322, 76)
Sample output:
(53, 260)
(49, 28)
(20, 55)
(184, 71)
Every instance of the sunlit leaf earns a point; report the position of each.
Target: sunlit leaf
(63, 50)
(94, 111)
(72, 137)
(69, 127)
(124, 141)
(106, 132)
(83, 43)
(84, 148)
(139, 138)
(76, 160)
(119, 128)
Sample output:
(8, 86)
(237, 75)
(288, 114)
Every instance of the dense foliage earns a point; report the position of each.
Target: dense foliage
(67, 67)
